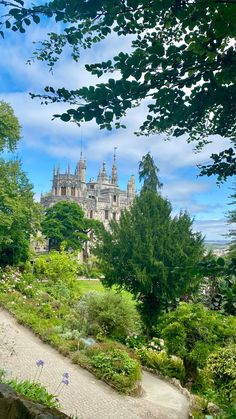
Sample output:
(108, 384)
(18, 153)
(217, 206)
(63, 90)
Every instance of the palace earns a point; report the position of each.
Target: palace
(100, 199)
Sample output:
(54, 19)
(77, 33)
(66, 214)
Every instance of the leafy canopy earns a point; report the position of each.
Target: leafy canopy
(65, 224)
(232, 221)
(17, 213)
(151, 254)
(182, 60)
(9, 127)
(193, 332)
(148, 174)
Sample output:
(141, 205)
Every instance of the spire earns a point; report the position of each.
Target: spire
(81, 168)
(131, 188)
(68, 170)
(114, 176)
(54, 171)
(58, 169)
(99, 176)
(104, 177)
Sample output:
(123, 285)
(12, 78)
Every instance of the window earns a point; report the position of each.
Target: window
(114, 198)
(114, 215)
(63, 190)
(91, 214)
(72, 191)
(91, 186)
(106, 214)
(55, 191)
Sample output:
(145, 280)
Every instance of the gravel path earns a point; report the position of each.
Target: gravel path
(85, 396)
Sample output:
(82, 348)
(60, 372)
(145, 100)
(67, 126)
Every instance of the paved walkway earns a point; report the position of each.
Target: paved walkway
(85, 396)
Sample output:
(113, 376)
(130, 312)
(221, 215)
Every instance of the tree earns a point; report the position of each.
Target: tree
(16, 214)
(232, 220)
(9, 127)
(148, 174)
(182, 60)
(151, 254)
(64, 223)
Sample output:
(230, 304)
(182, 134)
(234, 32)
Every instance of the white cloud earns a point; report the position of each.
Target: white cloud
(216, 229)
(61, 140)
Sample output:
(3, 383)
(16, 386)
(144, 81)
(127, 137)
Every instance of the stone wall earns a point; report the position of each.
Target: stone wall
(15, 406)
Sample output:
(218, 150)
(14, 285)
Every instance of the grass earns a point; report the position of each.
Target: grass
(88, 285)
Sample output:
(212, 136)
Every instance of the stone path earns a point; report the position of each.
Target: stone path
(85, 396)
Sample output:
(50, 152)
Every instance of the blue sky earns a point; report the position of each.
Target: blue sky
(46, 143)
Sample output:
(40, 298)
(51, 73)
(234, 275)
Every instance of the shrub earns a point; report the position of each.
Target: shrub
(114, 365)
(193, 332)
(170, 366)
(106, 314)
(221, 365)
(34, 391)
(56, 266)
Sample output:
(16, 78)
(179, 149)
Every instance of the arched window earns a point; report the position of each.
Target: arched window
(72, 191)
(91, 214)
(106, 215)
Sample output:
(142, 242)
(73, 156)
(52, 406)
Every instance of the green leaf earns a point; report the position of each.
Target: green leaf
(36, 19)
(65, 117)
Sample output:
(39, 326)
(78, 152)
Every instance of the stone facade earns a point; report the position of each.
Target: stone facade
(101, 199)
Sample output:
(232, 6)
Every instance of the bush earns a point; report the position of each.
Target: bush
(193, 332)
(34, 391)
(56, 266)
(106, 314)
(170, 366)
(221, 366)
(114, 365)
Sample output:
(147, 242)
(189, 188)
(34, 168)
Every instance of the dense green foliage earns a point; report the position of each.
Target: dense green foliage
(106, 314)
(64, 224)
(152, 255)
(223, 372)
(218, 288)
(17, 214)
(9, 127)
(34, 391)
(232, 221)
(186, 71)
(56, 267)
(170, 366)
(112, 363)
(193, 333)
(148, 174)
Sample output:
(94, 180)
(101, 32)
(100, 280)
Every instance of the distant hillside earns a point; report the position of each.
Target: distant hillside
(215, 245)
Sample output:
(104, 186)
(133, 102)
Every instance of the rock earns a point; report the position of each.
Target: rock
(15, 406)
(213, 409)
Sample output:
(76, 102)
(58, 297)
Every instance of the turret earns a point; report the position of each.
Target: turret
(131, 189)
(103, 175)
(81, 169)
(114, 176)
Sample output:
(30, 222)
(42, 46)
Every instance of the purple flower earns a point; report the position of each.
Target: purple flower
(65, 375)
(65, 381)
(40, 363)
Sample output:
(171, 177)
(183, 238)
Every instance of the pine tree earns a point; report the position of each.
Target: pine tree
(151, 254)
